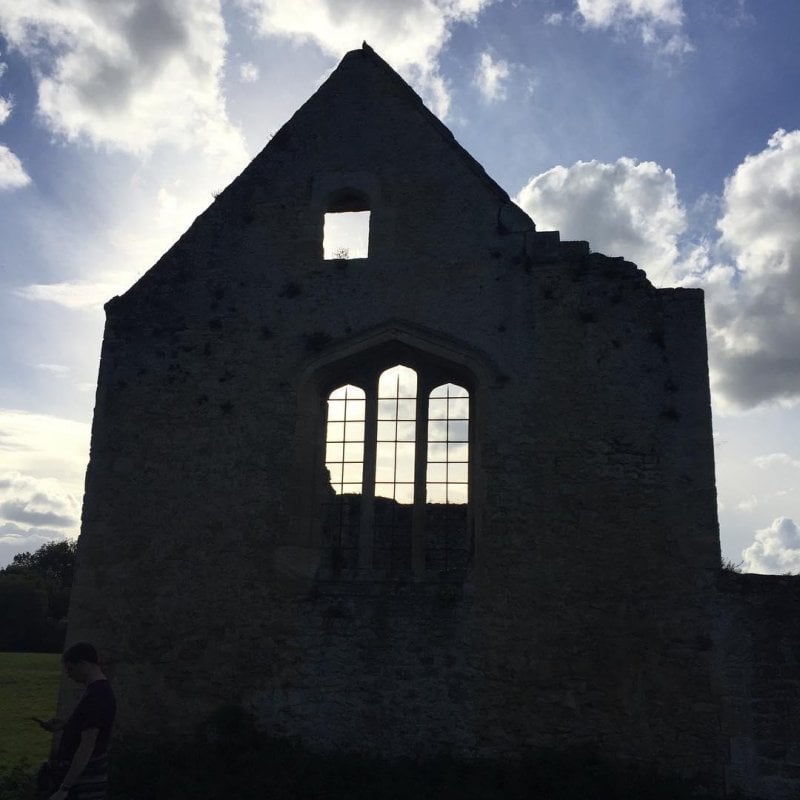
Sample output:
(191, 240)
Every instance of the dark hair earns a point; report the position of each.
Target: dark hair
(80, 651)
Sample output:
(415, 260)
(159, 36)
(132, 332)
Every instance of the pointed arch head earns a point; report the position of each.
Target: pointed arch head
(364, 356)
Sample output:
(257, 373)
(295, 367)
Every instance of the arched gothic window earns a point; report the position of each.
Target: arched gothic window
(447, 481)
(397, 459)
(344, 461)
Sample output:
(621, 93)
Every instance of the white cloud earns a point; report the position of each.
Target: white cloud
(42, 465)
(776, 459)
(55, 369)
(44, 447)
(775, 549)
(556, 18)
(128, 75)
(627, 208)
(409, 34)
(14, 540)
(76, 294)
(248, 72)
(754, 310)
(748, 504)
(37, 502)
(658, 22)
(12, 173)
(490, 77)
(603, 13)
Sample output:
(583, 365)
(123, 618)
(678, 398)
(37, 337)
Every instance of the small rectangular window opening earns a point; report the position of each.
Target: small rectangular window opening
(345, 235)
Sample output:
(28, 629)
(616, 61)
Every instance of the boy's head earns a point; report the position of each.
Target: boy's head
(78, 661)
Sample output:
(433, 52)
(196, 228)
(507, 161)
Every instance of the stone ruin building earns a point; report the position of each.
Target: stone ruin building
(454, 493)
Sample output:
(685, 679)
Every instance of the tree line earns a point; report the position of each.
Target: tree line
(34, 599)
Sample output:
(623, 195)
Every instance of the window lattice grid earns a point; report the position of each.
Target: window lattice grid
(344, 461)
(344, 446)
(394, 467)
(447, 477)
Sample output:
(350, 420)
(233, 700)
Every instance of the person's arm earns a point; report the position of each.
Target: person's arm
(51, 725)
(79, 762)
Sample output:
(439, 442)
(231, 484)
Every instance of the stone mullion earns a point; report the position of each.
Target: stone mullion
(420, 478)
(366, 538)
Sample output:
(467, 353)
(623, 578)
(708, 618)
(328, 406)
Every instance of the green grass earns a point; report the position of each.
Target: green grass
(28, 688)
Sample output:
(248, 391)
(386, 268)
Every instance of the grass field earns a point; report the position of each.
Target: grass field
(28, 688)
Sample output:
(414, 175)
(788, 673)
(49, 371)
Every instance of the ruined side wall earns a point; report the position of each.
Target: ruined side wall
(757, 632)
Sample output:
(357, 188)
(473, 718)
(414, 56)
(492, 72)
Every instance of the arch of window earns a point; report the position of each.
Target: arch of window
(397, 456)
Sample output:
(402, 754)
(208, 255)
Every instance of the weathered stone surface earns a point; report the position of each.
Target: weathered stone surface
(587, 611)
(757, 632)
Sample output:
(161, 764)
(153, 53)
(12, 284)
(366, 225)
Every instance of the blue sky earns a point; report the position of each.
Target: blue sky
(666, 131)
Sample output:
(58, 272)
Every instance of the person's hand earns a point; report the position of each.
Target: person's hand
(51, 725)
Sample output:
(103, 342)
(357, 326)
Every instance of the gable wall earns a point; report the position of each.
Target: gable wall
(583, 617)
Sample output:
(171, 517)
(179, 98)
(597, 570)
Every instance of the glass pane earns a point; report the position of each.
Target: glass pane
(406, 409)
(384, 460)
(335, 410)
(437, 409)
(334, 452)
(398, 381)
(335, 431)
(457, 493)
(335, 471)
(456, 391)
(340, 393)
(458, 452)
(386, 409)
(386, 430)
(457, 473)
(404, 493)
(457, 431)
(354, 431)
(437, 431)
(384, 474)
(437, 452)
(458, 409)
(406, 431)
(352, 473)
(351, 488)
(404, 469)
(354, 409)
(437, 473)
(384, 490)
(352, 452)
(408, 382)
(437, 493)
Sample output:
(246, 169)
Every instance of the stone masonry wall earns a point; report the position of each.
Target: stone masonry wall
(757, 629)
(584, 616)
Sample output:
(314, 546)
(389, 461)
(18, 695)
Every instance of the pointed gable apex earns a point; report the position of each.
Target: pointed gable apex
(363, 74)
(365, 135)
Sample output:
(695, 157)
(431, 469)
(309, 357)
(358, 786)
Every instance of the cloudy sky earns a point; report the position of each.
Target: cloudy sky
(666, 131)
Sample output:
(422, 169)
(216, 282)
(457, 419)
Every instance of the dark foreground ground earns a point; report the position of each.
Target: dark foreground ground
(228, 759)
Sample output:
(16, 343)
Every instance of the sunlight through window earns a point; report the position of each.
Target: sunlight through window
(346, 235)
